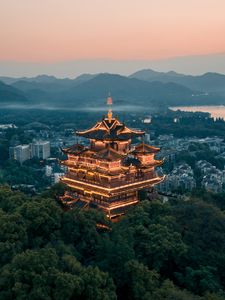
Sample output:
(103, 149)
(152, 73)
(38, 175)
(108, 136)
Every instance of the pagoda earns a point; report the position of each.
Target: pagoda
(108, 174)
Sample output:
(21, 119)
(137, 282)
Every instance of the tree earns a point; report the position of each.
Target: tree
(158, 246)
(10, 200)
(140, 282)
(13, 236)
(43, 220)
(79, 228)
(201, 280)
(42, 274)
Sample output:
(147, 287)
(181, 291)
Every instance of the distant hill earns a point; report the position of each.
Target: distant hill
(45, 89)
(93, 89)
(151, 75)
(84, 77)
(144, 88)
(40, 78)
(11, 95)
(46, 80)
(208, 82)
(129, 91)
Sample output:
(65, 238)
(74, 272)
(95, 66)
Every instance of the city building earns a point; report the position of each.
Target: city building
(182, 178)
(213, 179)
(147, 120)
(48, 170)
(7, 126)
(40, 149)
(147, 137)
(108, 173)
(20, 153)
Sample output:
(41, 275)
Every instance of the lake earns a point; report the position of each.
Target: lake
(216, 111)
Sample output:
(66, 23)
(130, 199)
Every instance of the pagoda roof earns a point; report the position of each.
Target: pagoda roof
(109, 154)
(156, 163)
(143, 148)
(110, 129)
(88, 152)
(74, 149)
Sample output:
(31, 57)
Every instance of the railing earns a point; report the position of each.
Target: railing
(116, 183)
(104, 203)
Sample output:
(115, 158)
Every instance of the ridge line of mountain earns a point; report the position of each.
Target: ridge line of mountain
(144, 87)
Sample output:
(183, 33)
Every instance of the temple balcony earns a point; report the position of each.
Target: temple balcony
(127, 179)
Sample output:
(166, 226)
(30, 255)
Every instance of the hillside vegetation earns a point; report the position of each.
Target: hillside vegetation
(158, 251)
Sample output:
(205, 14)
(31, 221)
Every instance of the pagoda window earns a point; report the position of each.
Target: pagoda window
(147, 158)
(114, 164)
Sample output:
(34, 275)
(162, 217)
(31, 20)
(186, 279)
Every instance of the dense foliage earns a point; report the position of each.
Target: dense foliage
(188, 124)
(158, 251)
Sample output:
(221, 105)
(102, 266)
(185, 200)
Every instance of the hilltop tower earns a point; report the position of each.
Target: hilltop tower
(108, 174)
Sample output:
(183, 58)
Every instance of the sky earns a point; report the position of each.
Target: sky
(42, 35)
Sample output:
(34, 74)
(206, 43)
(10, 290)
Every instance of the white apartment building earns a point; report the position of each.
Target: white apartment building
(40, 149)
(20, 153)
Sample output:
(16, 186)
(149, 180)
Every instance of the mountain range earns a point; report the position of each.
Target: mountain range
(208, 82)
(11, 95)
(145, 88)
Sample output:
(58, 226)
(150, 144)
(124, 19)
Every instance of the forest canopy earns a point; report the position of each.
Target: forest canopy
(173, 250)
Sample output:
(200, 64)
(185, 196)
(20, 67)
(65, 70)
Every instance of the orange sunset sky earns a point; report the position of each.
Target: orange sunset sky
(49, 31)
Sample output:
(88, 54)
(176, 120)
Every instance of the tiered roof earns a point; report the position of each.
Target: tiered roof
(110, 129)
(143, 148)
(74, 149)
(108, 153)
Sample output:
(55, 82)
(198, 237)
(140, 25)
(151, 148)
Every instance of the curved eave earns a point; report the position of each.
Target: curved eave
(145, 152)
(110, 131)
(97, 126)
(126, 130)
(109, 155)
(72, 152)
(89, 133)
(156, 163)
(106, 136)
(145, 148)
(75, 149)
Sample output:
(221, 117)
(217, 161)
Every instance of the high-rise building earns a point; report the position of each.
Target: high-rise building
(109, 172)
(20, 153)
(40, 149)
(48, 170)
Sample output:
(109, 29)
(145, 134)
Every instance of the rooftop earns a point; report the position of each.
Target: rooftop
(110, 129)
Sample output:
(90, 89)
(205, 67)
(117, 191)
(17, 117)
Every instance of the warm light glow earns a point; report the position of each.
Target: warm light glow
(158, 179)
(123, 205)
(116, 188)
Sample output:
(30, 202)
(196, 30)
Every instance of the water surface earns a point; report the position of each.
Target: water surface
(216, 111)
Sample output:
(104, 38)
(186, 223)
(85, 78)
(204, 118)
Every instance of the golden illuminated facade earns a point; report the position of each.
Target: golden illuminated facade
(109, 173)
